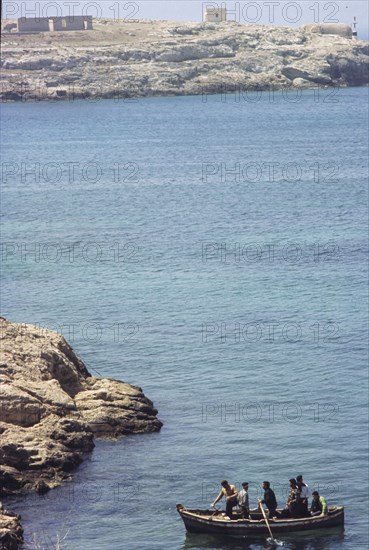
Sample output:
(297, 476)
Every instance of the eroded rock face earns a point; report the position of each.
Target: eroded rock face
(148, 58)
(51, 408)
(11, 532)
(113, 408)
(338, 29)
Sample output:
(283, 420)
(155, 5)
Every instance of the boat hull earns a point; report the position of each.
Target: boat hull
(202, 521)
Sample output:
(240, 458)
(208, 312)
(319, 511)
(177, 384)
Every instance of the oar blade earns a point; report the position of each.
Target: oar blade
(274, 542)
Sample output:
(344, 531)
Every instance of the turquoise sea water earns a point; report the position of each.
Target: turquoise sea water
(213, 251)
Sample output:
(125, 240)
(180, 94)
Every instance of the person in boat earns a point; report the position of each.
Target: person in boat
(294, 499)
(292, 508)
(318, 505)
(243, 501)
(230, 493)
(269, 500)
(304, 495)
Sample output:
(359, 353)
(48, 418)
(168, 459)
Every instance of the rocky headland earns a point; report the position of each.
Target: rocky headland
(51, 410)
(124, 59)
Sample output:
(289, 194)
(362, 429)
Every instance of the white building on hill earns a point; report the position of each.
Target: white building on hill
(215, 15)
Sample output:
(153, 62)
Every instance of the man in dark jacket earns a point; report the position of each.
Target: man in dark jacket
(269, 500)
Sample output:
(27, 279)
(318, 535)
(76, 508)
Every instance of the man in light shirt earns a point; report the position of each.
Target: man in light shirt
(243, 501)
(318, 506)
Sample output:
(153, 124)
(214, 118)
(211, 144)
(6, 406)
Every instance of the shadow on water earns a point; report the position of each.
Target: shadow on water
(326, 540)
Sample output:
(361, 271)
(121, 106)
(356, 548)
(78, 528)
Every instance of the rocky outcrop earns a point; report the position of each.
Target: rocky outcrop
(51, 409)
(124, 59)
(11, 532)
(338, 29)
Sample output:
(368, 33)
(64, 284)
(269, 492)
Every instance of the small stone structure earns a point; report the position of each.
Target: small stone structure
(45, 24)
(215, 15)
(33, 24)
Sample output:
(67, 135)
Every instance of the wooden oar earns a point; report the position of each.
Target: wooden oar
(266, 521)
(216, 510)
(272, 540)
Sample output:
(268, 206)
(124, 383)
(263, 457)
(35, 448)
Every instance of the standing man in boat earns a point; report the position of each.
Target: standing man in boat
(269, 500)
(304, 495)
(293, 504)
(318, 506)
(230, 492)
(243, 501)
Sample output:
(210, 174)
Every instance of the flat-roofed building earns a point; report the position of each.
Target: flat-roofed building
(50, 24)
(215, 15)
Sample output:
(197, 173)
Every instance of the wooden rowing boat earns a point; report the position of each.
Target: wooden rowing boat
(207, 521)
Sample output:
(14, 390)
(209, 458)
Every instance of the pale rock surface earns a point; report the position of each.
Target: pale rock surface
(51, 408)
(11, 532)
(329, 28)
(124, 59)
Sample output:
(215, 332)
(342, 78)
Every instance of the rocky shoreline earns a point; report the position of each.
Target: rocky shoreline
(11, 531)
(51, 411)
(132, 59)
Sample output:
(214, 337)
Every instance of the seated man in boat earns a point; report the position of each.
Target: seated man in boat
(304, 495)
(318, 506)
(269, 500)
(243, 501)
(230, 492)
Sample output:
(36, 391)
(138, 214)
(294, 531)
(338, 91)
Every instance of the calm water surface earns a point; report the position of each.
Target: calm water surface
(214, 253)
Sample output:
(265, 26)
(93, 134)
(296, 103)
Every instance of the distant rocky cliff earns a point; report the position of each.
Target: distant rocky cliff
(50, 410)
(135, 59)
